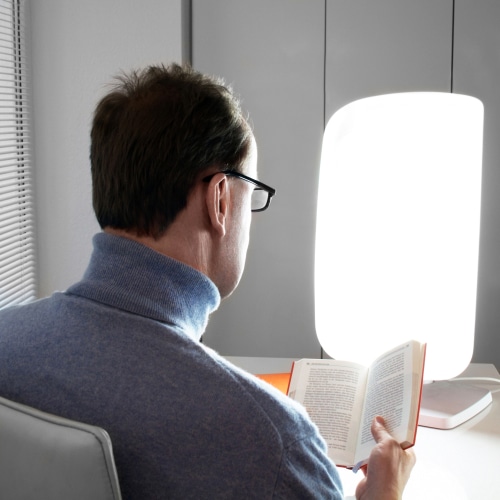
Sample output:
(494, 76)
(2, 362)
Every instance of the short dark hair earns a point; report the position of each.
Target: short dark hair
(152, 136)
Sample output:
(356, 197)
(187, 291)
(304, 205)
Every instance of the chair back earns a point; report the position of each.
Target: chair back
(46, 457)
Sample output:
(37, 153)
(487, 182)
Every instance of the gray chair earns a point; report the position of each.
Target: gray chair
(46, 457)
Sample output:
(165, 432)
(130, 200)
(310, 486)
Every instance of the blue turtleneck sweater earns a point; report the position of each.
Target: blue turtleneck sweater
(120, 349)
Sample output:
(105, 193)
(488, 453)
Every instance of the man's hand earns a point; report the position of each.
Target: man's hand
(388, 469)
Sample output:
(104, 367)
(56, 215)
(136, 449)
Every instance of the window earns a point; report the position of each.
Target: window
(17, 245)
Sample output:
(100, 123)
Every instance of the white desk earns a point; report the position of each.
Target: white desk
(456, 464)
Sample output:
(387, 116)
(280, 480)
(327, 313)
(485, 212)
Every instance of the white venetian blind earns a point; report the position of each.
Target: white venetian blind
(17, 252)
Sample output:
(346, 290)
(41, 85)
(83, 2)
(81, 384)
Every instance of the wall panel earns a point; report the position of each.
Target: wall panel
(271, 51)
(477, 73)
(384, 46)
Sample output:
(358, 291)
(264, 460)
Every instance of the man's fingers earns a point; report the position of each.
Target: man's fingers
(379, 430)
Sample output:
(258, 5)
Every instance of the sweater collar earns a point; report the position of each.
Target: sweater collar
(125, 274)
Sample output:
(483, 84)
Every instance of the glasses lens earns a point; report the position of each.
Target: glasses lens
(259, 199)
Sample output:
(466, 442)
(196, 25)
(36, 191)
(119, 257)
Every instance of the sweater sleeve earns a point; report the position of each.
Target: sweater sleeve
(307, 473)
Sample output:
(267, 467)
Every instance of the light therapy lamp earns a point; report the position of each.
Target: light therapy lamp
(397, 238)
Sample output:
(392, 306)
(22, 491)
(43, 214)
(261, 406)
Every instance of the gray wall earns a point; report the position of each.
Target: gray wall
(302, 60)
(76, 48)
(477, 72)
(275, 62)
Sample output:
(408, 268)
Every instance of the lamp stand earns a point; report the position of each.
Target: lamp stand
(446, 405)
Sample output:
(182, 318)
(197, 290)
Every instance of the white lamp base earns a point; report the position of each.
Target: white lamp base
(448, 404)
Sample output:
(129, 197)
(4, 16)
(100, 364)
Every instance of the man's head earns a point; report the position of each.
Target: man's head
(152, 136)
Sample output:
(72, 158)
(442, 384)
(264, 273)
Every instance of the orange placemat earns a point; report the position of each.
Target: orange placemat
(278, 380)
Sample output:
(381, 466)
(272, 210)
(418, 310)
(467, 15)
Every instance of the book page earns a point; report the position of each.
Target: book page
(389, 391)
(332, 393)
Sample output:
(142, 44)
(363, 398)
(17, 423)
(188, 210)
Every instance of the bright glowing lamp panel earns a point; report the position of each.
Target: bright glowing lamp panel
(397, 233)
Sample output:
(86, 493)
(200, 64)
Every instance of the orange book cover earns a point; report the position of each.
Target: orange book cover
(278, 380)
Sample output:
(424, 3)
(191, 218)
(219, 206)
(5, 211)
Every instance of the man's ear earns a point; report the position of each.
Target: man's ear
(217, 200)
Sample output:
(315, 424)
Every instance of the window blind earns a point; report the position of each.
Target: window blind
(17, 246)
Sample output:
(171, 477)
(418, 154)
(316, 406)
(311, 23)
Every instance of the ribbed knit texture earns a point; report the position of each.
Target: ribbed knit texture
(129, 276)
(120, 349)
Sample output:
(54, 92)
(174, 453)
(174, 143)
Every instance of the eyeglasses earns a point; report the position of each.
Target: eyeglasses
(261, 195)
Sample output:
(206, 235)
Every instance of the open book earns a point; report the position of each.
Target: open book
(342, 398)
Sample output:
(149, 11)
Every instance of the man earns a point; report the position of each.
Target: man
(173, 169)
